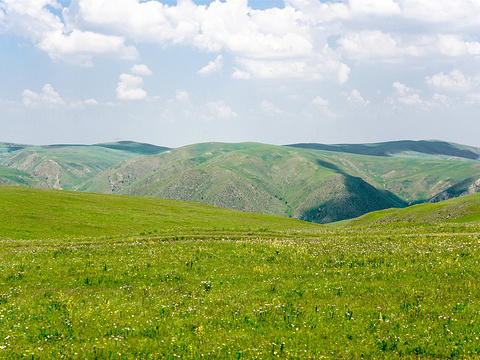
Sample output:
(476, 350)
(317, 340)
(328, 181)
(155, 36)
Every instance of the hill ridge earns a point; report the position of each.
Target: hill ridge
(313, 185)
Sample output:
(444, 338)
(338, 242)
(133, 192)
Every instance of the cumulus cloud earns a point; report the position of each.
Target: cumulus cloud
(455, 80)
(130, 88)
(375, 7)
(370, 44)
(319, 101)
(271, 37)
(212, 67)
(91, 102)
(356, 98)
(407, 96)
(459, 12)
(79, 46)
(141, 69)
(473, 99)
(270, 108)
(33, 20)
(289, 42)
(219, 110)
(273, 69)
(182, 96)
(48, 96)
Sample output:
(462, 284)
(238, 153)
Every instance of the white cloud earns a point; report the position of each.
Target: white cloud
(33, 20)
(47, 97)
(212, 67)
(405, 95)
(270, 108)
(370, 44)
(453, 81)
(376, 45)
(273, 69)
(91, 102)
(321, 13)
(219, 110)
(271, 37)
(323, 106)
(441, 99)
(83, 44)
(50, 98)
(356, 98)
(141, 69)
(473, 99)
(319, 101)
(375, 7)
(130, 88)
(459, 12)
(182, 95)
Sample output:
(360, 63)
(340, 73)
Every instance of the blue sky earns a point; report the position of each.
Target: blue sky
(176, 73)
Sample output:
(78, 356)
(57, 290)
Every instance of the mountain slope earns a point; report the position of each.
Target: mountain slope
(458, 210)
(423, 148)
(15, 177)
(313, 185)
(468, 186)
(248, 177)
(68, 166)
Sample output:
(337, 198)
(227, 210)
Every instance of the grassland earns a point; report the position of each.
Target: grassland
(98, 276)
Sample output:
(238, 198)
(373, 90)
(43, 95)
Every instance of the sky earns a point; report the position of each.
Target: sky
(174, 73)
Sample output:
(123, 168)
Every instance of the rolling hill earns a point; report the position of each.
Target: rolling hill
(52, 214)
(462, 209)
(66, 166)
(405, 148)
(314, 184)
(249, 177)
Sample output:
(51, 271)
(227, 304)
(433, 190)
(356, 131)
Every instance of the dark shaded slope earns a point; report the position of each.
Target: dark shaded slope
(465, 187)
(458, 210)
(134, 147)
(440, 148)
(349, 196)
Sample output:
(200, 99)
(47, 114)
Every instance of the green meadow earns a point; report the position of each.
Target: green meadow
(95, 276)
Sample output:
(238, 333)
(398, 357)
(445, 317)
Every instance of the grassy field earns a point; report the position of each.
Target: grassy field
(96, 276)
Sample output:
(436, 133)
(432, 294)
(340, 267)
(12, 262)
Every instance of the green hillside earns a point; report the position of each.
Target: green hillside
(458, 210)
(248, 177)
(134, 147)
(14, 177)
(312, 185)
(52, 214)
(406, 148)
(68, 166)
(414, 180)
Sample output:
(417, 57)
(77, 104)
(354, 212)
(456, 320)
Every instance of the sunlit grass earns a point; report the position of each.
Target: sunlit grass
(203, 292)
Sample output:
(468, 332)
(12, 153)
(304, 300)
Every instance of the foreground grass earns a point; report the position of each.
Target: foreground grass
(402, 292)
(334, 297)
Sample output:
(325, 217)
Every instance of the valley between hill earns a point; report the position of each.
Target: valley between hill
(312, 182)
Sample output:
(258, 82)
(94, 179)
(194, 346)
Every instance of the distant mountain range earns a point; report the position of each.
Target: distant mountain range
(314, 182)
